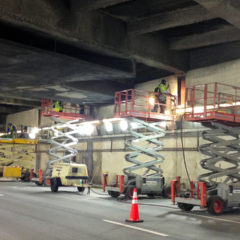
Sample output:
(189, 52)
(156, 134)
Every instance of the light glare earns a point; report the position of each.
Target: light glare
(108, 126)
(123, 125)
(151, 101)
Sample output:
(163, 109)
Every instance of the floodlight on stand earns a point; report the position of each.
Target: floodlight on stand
(123, 125)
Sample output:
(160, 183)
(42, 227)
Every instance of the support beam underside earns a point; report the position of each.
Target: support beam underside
(227, 34)
(228, 10)
(180, 17)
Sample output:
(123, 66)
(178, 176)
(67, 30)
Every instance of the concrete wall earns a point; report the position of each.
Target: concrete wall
(105, 111)
(227, 73)
(150, 85)
(114, 162)
(26, 118)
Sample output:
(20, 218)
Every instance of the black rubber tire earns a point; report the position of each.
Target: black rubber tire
(54, 185)
(167, 192)
(185, 206)
(215, 205)
(81, 189)
(129, 192)
(151, 195)
(114, 194)
(25, 177)
(38, 184)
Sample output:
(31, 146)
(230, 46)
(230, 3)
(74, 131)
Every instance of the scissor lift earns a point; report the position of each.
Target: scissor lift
(216, 106)
(145, 128)
(63, 135)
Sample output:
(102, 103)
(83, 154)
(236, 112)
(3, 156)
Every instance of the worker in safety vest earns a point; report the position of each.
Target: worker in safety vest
(12, 129)
(160, 96)
(58, 107)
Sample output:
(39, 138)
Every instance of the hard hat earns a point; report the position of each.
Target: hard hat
(163, 81)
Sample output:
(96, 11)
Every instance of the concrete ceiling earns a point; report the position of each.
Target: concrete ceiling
(70, 49)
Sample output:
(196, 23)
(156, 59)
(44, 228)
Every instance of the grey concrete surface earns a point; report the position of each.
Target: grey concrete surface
(31, 212)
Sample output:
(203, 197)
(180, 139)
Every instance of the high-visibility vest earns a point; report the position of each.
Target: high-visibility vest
(163, 88)
(57, 107)
(12, 128)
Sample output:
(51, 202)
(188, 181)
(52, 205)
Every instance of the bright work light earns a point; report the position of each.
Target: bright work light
(151, 101)
(123, 125)
(108, 126)
(88, 129)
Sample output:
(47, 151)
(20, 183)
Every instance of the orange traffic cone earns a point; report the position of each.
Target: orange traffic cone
(134, 214)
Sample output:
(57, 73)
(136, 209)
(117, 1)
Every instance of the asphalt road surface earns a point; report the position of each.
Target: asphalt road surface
(30, 212)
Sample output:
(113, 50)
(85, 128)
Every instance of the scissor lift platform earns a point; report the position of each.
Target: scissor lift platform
(69, 112)
(138, 107)
(62, 139)
(217, 189)
(137, 103)
(213, 102)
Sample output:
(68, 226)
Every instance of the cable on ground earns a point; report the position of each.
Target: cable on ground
(183, 151)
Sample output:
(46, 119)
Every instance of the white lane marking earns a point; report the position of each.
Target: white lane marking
(136, 228)
(1, 195)
(218, 219)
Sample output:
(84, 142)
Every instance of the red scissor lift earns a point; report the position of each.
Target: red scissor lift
(210, 104)
(213, 102)
(138, 105)
(69, 112)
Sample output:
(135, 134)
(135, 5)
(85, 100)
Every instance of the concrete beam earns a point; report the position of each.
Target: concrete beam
(154, 52)
(90, 5)
(43, 11)
(19, 102)
(110, 87)
(226, 34)
(8, 110)
(176, 18)
(228, 10)
(94, 31)
(211, 55)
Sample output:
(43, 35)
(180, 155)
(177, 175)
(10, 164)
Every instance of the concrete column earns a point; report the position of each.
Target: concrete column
(90, 157)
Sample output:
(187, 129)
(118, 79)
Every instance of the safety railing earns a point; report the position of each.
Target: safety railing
(144, 104)
(197, 195)
(214, 101)
(67, 110)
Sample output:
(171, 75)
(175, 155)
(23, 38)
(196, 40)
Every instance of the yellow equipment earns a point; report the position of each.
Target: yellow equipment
(69, 174)
(12, 172)
(17, 157)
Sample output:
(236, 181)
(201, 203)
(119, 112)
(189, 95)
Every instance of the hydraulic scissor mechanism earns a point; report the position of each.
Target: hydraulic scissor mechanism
(61, 143)
(146, 143)
(224, 154)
